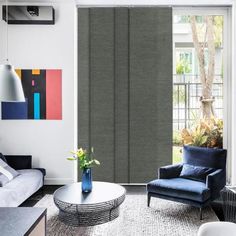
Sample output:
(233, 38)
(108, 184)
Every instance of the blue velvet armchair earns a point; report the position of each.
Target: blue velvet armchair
(197, 181)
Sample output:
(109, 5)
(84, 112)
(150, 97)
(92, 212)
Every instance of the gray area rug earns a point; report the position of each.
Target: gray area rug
(136, 219)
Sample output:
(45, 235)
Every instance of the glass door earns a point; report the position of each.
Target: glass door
(200, 78)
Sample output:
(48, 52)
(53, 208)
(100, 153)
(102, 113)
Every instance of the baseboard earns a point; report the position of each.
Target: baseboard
(63, 181)
(58, 181)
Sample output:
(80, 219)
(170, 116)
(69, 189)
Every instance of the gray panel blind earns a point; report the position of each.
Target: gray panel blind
(102, 89)
(121, 58)
(125, 90)
(150, 91)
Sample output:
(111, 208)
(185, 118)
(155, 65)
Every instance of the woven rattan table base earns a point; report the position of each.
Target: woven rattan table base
(88, 219)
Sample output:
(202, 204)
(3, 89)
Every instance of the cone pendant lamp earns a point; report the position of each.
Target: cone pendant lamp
(10, 84)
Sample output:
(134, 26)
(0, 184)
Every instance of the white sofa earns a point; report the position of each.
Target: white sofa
(28, 182)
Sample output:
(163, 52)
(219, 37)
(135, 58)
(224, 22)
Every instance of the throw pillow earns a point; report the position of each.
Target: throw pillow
(6, 173)
(197, 173)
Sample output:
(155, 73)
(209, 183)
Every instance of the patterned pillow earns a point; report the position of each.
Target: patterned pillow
(6, 173)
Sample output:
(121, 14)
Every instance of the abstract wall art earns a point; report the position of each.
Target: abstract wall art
(43, 93)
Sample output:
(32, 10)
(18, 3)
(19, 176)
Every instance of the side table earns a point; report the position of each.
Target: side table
(22, 221)
(228, 195)
(88, 209)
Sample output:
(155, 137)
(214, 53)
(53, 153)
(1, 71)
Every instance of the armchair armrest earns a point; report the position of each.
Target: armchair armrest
(19, 162)
(215, 182)
(171, 171)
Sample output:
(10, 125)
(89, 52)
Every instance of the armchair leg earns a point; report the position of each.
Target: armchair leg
(200, 213)
(148, 200)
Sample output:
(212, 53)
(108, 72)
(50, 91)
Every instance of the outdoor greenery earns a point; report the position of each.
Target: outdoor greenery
(183, 19)
(178, 95)
(177, 154)
(177, 139)
(218, 30)
(182, 67)
(207, 33)
(85, 159)
(207, 133)
(218, 22)
(207, 36)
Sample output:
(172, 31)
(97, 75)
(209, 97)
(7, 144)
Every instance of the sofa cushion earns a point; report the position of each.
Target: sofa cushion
(180, 188)
(197, 173)
(20, 188)
(6, 173)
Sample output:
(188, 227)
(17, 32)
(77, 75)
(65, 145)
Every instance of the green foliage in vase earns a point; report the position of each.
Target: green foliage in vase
(86, 159)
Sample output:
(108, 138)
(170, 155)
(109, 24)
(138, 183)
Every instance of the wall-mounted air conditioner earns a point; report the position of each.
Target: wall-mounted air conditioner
(38, 15)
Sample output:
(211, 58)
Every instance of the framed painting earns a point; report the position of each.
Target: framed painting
(43, 96)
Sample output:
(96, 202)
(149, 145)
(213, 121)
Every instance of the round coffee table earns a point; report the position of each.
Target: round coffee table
(86, 209)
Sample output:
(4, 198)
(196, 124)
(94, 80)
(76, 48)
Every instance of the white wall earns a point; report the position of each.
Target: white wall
(44, 46)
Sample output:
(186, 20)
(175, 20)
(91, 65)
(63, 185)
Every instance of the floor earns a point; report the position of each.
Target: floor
(131, 189)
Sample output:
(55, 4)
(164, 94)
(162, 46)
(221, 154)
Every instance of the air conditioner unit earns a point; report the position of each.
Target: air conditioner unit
(31, 15)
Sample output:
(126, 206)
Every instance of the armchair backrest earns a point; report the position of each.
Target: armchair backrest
(207, 157)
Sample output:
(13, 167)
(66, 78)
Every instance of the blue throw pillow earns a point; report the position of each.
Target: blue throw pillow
(197, 173)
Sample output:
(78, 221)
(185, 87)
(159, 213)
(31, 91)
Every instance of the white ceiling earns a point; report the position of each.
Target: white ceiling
(155, 2)
(37, 1)
(130, 2)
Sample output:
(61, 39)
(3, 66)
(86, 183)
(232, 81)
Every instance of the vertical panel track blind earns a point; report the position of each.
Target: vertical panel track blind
(125, 90)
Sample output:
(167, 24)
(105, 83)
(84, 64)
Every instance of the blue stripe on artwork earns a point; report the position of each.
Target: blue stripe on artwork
(36, 106)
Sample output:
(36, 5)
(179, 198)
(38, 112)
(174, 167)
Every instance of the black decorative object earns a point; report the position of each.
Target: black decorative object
(97, 207)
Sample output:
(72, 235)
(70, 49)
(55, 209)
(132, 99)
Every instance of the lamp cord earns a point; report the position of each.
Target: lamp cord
(7, 32)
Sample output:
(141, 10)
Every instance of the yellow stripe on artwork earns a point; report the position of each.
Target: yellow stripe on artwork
(18, 72)
(36, 72)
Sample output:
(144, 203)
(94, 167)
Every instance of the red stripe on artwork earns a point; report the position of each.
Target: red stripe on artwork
(53, 94)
